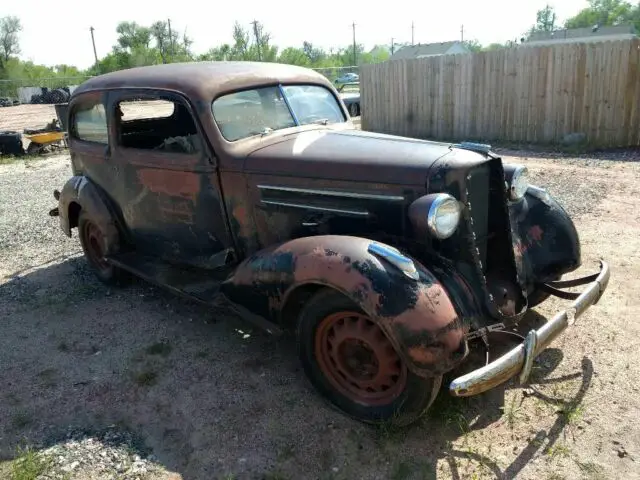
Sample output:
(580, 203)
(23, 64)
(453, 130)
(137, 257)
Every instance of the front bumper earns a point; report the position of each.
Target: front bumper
(519, 360)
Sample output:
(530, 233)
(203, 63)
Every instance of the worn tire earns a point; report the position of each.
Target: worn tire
(94, 245)
(415, 397)
(11, 143)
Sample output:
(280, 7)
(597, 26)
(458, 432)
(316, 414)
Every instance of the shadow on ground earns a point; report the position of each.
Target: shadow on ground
(210, 396)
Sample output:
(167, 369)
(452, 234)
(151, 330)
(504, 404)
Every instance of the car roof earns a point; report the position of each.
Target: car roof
(204, 79)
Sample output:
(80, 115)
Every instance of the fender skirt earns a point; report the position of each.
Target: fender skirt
(417, 315)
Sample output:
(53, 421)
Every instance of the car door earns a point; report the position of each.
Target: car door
(89, 139)
(167, 188)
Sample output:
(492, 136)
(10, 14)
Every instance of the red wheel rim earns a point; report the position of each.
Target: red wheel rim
(357, 358)
(94, 242)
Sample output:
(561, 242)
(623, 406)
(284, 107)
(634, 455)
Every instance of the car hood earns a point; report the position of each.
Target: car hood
(352, 155)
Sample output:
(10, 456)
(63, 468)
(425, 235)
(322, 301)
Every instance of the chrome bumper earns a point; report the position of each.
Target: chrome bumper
(520, 359)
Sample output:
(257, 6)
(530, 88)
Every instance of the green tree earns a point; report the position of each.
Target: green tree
(606, 13)
(294, 56)
(10, 28)
(545, 20)
(474, 46)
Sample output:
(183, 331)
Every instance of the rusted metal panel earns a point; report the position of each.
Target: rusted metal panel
(418, 316)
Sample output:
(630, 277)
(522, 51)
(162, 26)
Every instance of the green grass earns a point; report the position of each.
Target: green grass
(511, 412)
(29, 465)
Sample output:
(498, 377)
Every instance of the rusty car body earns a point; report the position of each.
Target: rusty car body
(388, 256)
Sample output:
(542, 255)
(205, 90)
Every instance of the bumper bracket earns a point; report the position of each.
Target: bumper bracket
(519, 360)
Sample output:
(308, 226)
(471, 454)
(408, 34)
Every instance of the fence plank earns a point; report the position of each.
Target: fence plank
(523, 94)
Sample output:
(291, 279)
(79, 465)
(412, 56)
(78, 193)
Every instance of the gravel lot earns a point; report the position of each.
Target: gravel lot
(134, 383)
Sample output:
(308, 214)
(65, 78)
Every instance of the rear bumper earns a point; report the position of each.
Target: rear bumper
(519, 360)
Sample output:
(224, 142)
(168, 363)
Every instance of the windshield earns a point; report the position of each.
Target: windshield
(263, 110)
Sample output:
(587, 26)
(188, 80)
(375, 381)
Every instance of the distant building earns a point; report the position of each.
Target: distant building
(429, 50)
(590, 34)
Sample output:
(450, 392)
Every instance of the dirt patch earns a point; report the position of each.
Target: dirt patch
(208, 396)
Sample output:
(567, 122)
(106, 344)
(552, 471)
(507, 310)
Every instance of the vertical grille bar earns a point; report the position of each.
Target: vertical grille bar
(478, 199)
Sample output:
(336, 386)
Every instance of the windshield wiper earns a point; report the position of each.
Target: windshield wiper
(321, 121)
(266, 131)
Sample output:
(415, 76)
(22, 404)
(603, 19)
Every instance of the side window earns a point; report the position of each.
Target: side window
(154, 123)
(89, 123)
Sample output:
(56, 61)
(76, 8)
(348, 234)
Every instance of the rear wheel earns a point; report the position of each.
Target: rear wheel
(352, 363)
(354, 109)
(94, 245)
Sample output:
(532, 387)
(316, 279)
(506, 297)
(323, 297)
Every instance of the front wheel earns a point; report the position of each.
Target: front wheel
(352, 363)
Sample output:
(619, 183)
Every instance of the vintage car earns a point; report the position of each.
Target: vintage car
(350, 96)
(246, 185)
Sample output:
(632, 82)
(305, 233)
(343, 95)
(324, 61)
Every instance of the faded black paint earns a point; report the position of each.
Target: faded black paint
(498, 246)
(545, 238)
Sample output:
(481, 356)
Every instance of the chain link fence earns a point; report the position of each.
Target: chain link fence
(40, 90)
(341, 74)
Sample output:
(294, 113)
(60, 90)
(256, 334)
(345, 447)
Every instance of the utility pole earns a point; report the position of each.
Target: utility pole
(93, 41)
(355, 58)
(392, 45)
(462, 33)
(255, 32)
(412, 29)
(170, 36)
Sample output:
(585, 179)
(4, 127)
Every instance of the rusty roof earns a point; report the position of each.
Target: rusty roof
(204, 79)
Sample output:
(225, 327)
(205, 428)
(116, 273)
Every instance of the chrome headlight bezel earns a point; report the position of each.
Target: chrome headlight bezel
(440, 202)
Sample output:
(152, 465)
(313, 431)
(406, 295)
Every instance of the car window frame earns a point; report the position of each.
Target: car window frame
(81, 101)
(203, 159)
(279, 85)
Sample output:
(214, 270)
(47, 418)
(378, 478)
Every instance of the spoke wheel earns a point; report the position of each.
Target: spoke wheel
(358, 360)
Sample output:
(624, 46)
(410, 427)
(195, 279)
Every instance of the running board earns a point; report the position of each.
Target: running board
(200, 285)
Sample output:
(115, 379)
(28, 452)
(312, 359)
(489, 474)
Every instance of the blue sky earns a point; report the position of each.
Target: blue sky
(61, 34)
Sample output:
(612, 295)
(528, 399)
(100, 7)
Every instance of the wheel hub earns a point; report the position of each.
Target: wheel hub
(357, 358)
(95, 250)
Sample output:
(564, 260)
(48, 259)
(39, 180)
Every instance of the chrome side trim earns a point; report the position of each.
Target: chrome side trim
(393, 256)
(358, 213)
(334, 193)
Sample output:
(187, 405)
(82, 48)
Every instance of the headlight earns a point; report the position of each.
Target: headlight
(443, 216)
(518, 183)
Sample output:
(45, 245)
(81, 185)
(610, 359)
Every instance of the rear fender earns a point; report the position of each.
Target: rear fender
(417, 315)
(83, 192)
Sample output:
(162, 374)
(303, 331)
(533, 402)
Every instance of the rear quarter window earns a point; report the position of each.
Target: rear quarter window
(89, 123)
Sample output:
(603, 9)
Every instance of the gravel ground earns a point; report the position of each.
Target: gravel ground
(101, 382)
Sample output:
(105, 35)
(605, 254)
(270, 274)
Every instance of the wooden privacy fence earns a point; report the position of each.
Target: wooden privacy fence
(522, 94)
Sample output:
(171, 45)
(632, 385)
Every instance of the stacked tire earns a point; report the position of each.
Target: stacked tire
(11, 143)
(58, 95)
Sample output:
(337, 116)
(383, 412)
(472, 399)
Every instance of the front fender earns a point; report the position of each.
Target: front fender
(417, 315)
(81, 191)
(546, 242)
